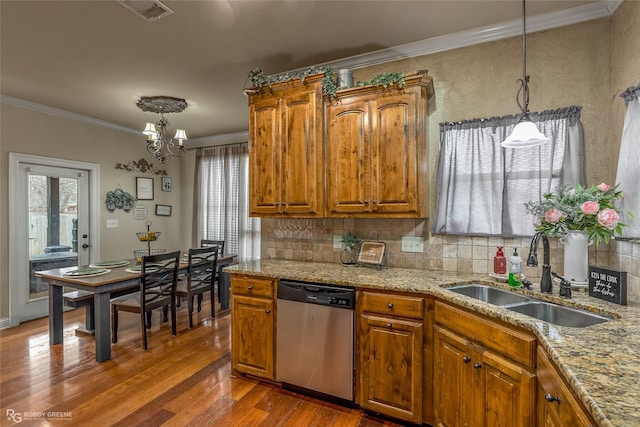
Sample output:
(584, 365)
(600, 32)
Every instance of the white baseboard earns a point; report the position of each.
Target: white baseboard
(5, 323)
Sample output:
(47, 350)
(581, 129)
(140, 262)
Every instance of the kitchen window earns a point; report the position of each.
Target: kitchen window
(482, 187)
(221, 205)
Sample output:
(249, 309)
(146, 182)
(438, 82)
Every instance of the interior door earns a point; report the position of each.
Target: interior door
(52, 230)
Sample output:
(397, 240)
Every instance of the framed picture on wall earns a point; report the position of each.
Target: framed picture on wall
(166, 184)
(144, 188)
(163, 210)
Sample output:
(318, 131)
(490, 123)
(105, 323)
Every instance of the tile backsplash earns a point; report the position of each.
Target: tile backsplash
(313, 240)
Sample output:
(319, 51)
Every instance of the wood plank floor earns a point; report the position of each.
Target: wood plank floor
(179, 381)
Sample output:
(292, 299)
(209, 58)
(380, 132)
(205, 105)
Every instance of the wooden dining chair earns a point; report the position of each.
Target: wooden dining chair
(220, 244)
(201, 277)
(158, 281)
(204, 243)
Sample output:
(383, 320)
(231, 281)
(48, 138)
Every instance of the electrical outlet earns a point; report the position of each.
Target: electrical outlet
(412, 244)
(112, 223)
(337, 244)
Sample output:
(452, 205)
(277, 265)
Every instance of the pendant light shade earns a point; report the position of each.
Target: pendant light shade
(525, 134)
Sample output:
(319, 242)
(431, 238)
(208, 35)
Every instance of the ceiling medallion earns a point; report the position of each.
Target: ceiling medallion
(161, 104)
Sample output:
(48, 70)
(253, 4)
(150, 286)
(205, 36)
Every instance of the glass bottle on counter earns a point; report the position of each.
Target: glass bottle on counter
(500, 262)
(515, 269)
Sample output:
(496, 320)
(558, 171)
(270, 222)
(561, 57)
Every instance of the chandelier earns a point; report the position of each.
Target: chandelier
(159, 140)
(525, 133)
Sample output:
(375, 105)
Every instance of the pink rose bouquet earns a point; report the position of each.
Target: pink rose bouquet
(591, 210)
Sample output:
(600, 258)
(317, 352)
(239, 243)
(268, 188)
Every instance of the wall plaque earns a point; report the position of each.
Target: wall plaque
(608, 285)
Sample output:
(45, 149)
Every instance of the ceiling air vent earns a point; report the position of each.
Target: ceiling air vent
(149, 10)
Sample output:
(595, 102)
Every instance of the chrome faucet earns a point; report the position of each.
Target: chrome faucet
(532, 261)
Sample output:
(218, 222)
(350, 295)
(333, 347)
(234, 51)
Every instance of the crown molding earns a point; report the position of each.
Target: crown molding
(208, 141)
(479, 35)
(57, 112)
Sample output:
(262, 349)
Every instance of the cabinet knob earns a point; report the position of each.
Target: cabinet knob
(249, 288)
(551, 398)
(477, 365)
(389, 325)
(283, 203)
(268, 311)
(390, 305)
(466, 359)
(374, 201)
(366, 201)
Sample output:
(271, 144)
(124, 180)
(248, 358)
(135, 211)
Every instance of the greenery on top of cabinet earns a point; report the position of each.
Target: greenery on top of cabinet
(258, 79)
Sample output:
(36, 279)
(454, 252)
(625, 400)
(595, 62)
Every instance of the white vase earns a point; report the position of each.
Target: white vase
(576, 256)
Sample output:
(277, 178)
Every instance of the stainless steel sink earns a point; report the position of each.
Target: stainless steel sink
(489, 294)
(558, 314)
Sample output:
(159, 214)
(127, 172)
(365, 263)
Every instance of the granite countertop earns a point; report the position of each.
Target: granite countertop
(601, 362)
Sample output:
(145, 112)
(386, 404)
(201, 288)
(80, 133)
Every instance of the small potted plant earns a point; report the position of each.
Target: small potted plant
(350, 248)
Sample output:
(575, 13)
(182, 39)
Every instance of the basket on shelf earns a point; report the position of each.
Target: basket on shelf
(148, 236)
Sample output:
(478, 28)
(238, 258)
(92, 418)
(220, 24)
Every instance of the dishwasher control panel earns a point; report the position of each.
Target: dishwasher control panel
(315, 293)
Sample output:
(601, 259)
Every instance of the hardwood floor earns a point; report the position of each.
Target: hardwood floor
(179, 381)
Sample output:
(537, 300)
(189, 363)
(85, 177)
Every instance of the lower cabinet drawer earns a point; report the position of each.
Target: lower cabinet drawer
(252, 286)
(393, 305)
(519, 345)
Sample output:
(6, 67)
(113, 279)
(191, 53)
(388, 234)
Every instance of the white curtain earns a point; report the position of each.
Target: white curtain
(628, 174)
(482, 187)
(221, 201)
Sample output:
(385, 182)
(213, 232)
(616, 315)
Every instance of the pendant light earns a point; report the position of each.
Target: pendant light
(525, 133)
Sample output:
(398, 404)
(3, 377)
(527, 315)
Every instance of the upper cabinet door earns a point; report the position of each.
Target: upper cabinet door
(301, 153)
(394, 153)
(348, 157)
(264, 156)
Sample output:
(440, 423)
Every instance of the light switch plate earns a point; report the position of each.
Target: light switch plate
(112, 223)
(337, 244)
(412, 244)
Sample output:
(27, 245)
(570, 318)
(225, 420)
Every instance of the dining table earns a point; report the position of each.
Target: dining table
(116, 280)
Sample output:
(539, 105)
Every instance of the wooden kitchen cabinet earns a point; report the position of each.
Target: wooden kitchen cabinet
(253, 326)
(285, 149)
(390, 345)
(376, 150)
(483, 371)
(557, 405)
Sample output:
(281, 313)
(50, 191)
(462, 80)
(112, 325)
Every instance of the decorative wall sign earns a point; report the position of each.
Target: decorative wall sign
(144, 188)
(371, 254)
(140, 212)
(141, 165)
(163, 210)
(166, 184)
(608, 285)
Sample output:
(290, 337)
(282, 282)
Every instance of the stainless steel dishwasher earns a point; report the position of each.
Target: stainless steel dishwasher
(315, 349)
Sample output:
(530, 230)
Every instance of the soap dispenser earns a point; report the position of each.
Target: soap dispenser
(500, 262)
(515, 268)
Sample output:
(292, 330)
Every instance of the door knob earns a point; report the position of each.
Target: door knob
(85, 246)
